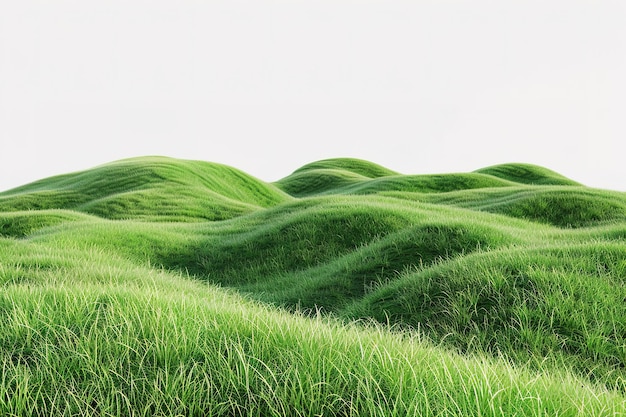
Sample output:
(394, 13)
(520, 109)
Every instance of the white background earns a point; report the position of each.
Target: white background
(422, 86)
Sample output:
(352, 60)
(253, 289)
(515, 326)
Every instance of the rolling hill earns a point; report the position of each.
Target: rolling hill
(157, 286)
(150, 188)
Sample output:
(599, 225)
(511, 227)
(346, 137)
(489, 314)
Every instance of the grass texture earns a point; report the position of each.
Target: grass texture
(156, 286)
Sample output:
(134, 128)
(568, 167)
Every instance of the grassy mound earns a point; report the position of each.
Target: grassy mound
(527, 174)
(311, 182)
(425, 184)
(555, 304)
(292, 238)
(25, 223)
(330, 175)
(562, 206)
(334, 285)
(149, 188)
(352, 165)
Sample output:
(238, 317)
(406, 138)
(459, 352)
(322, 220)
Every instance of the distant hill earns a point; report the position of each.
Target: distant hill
(149, 188)
(527, 174)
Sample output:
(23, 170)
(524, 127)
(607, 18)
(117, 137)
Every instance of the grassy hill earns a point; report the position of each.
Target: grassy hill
(156, 286)
(527, 174)
(149, 188)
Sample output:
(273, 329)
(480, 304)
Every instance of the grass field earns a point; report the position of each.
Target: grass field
(156, 286)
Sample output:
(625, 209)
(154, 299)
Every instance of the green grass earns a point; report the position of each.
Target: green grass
(156, 286)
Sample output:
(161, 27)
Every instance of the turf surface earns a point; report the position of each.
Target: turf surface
(156, 286)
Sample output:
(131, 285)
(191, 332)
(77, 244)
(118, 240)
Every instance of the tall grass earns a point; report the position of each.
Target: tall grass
(124, 340)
